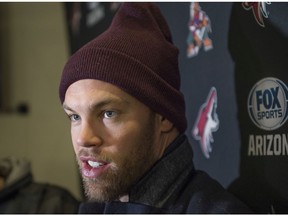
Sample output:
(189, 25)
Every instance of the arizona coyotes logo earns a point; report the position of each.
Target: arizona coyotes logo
(259, 10)
(207, 122)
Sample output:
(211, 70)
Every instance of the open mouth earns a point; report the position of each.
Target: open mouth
(95, 164)
(92, 168)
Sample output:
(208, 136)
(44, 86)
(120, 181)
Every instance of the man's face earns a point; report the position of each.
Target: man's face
(115, 137)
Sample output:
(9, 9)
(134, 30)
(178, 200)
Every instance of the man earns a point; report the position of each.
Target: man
(121, 94)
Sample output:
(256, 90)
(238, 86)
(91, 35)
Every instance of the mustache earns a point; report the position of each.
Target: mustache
(100, 156)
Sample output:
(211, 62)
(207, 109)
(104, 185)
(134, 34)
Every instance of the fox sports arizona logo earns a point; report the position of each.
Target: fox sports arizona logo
(267, 103)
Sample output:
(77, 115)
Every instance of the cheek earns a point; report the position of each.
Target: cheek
(122, 140)
(74, 138)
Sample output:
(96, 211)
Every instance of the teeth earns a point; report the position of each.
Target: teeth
(94, 164)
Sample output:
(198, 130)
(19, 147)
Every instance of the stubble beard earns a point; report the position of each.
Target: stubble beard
(124, 172)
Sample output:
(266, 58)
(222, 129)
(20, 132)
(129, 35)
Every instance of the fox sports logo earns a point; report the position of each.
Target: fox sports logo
(267, 103)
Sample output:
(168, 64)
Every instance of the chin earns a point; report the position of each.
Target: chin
(104, 190)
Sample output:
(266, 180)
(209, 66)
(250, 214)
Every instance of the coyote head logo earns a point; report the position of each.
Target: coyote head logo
(207, 122)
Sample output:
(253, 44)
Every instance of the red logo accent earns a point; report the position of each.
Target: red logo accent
(207, 122)
(259, 10)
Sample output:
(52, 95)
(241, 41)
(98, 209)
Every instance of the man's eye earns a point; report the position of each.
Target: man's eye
(74, 117)
(109, 114)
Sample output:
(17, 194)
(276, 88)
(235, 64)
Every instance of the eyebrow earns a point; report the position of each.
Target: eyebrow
(100, 104)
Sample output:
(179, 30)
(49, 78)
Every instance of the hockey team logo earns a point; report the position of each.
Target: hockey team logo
(259, 10)
(199, 27)
(207, 122)
(267, 103)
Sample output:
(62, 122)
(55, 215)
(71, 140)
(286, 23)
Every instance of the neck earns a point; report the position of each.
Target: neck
(124, 198)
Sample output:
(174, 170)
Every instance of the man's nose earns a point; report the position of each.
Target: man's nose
(89, 135)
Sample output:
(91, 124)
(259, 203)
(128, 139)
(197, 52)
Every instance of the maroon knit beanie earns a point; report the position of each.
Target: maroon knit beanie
(136, 54)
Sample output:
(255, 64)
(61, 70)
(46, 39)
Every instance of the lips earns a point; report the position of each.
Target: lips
(92, 168)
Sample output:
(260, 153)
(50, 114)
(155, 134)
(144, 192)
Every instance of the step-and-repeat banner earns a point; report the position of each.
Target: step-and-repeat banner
(234, 68)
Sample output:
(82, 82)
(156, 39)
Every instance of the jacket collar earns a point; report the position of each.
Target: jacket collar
(163, 179)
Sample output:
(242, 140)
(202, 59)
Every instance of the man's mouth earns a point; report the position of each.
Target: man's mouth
(92, 168)
(95, 164)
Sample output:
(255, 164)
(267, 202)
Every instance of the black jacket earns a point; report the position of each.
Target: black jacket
(173, 186)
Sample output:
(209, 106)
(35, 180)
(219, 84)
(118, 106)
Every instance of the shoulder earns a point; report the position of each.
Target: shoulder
(202, 194)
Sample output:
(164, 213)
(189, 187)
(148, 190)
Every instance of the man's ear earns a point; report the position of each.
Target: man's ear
(165, 124)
